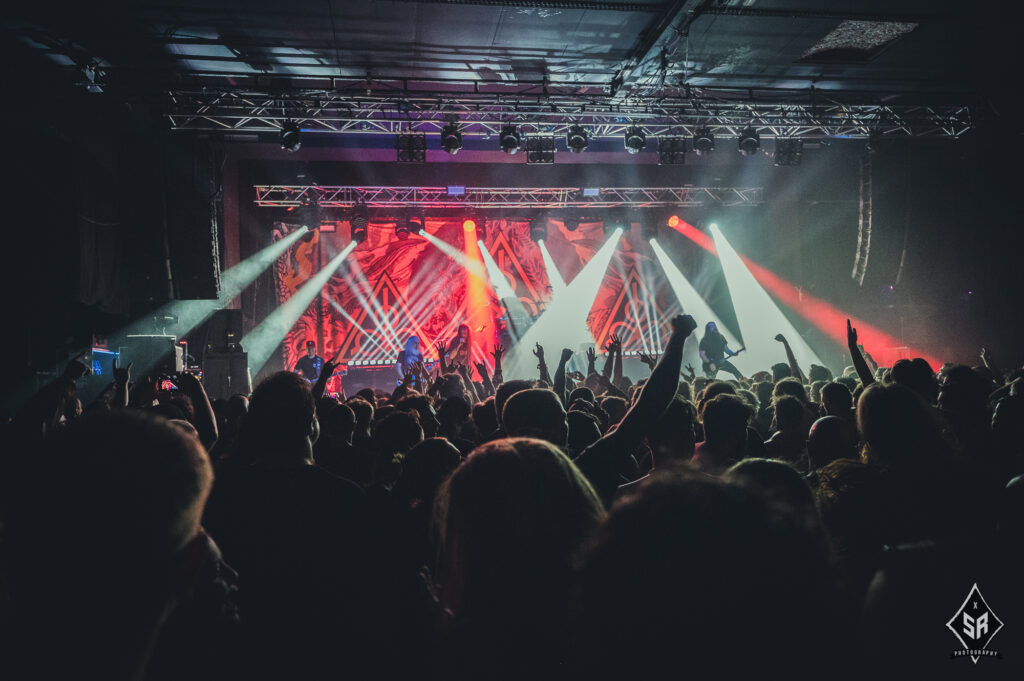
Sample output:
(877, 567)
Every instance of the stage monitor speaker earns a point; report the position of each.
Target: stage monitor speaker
(226, 374)
(224, 331)
(152, 355)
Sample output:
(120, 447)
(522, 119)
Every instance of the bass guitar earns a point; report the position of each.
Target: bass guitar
(711, 368)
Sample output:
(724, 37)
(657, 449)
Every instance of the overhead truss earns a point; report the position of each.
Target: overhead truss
(377, 111)
(294, 196)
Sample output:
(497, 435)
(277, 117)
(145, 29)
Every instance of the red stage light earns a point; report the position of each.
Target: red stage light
(673, 221)
(469, 225)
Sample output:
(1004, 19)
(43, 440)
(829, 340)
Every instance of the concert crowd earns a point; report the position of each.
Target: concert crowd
(471, 525)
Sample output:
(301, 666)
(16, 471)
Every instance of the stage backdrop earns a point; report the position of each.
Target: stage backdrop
(391, 288)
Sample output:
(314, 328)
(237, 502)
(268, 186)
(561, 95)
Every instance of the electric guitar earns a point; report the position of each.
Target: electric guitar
(710, 372)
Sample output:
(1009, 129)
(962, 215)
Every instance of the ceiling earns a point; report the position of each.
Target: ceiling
(630, 53)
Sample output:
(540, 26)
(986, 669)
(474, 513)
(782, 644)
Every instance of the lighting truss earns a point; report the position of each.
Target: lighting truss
(286, 196)
(390, 111)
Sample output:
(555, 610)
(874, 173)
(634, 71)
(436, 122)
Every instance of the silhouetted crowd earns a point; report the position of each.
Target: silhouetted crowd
(564, 525)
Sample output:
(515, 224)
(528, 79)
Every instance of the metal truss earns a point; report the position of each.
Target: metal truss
(294, 196)
(381, 111)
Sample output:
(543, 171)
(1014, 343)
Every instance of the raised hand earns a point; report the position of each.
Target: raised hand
(539, 352)
(497, 353)
(576, 376)
(683, 324)
(122, 375)
(646, 359)
(188, 382)
(481, 369)
(442, 348)
(566, 354)
(779, 337)
(591, 356)
(851, 335)
(76, 368)
(690, 370)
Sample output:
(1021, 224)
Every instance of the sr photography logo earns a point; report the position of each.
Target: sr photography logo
(975, 625)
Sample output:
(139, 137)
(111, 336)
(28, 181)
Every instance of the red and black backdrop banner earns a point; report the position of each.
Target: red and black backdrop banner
(389, 289)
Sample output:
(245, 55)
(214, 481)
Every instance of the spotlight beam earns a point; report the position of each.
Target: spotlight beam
(372, 305)
(554, 276)
(691, 301)
(351, 320)
(504, 292)
(191, 313)
(827, 318)
(758, 315)
(564, 323)
(475, 268)
(261, 342)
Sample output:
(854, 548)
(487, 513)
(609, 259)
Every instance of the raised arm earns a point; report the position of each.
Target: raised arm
(617, 370)
(497, 379)
(122, 376)
(661, 387)
(791, 358)
(326, 371)
(481, 369)
(442, 353)
(591, 361)
(863, 371)
(560, 375)
(542, 366)
(603, 459)
(205, 420)
(403, 387)
(986, 359)
(609, 361)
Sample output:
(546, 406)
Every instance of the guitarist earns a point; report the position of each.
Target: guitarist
(714, 349)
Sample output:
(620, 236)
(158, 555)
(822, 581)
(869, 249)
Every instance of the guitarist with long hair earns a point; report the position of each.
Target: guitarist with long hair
(714, 349)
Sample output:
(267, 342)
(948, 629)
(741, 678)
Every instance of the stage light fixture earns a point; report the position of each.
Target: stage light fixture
(538, 228)
(413, 224)
(571, 222)
(540, 149)
(576, 138)
(671, 151)
(290, 136)
(703, 141)
(509, 140)
(614, 220)
(749, 141)
(411, 148)
(309, 213)
(401, 230)
(673, 221)
(451, 137)
(358, 221)
(635, 139)
(788, 151)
